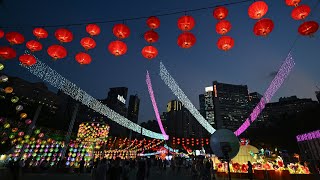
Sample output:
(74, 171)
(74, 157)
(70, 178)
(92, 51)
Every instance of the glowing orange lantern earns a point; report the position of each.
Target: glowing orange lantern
(153, 22)
(117, 48)
(308, 28)
(40, 33)
(8, 90)
(7, 53)
(300, 12)
(93, 29)
(263, 27)
(151, 36)
(220, 13)
(223, 27)
(33, 45)
(225, 43)
(57, 52)
(186, 23)
(186, 40)
(292, 2)
(88, 43)
(83, 58)
(27, 59)
(121, 31)
(63, 35)
(257, 9)
(149, 52)
(14, 38)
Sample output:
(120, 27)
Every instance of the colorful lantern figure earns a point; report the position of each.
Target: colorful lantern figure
(225, 43)
(1, 66)
(27, 59)
(6, 125)
(23, 115)
(1, 33)
(93, 29)
(117, 48)
(41, 135)
(40, 33)
(121, 31)
(14, 38)
(151, 36)
(14, 99)
(186, 23)
(21, 133)
(8, 90)
(83, 58)
(34, 46)
(220, 13)
(149, 52)
(223, 27)
(308, 28)
(88, 43)
(57, 52)
(300, 12)
(14, 130)
(186, 40)
(4, 78)
(153, 22)
(63, 35)
(257, 9)
(28, 121)
(7, 53)
(263, 27)
(293, 2)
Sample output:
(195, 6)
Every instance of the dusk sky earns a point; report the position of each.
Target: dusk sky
(253, 60)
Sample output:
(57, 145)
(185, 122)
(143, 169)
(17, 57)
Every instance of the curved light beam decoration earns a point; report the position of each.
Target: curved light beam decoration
(155, 107)
(45, 73)
(275, 84)
(171, 83)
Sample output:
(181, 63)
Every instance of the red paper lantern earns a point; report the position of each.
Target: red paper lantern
(225, 43)
(149, 52)
(186, 23)
(88, 43)
(40, 33)
(292, 2)
(257, 9)
(1, 33)
(7, 53)
(223, 27)
(121, 31)
(263, 27)
(220, 13)
(83, 58)
(186, 40)
(117, 48)
(57, 52)
(14, 38)
(63, 35)
(300, 12)
(27, 59)
(153, 22)
(34, 46)
(151, 36)
(93, 29)
(308, 28)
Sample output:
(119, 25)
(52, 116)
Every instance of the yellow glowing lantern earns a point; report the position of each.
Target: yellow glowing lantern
(8, 90)
(23, 115)
(6, 125)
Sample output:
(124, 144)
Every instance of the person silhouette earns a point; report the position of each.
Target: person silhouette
(250, 171)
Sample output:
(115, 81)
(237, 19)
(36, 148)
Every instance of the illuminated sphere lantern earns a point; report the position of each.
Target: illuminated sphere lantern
(23, 115)
(117, 48)
(93, 29)
(149, 52)
(63, 35)
(220, 13)
(257, 9)
(186, 40)
(27, 59)
(92, 132)
(151, 36)
(1, 33)
(57, 52)
(263, 27)
(1, 66)
(121, 31)
(83, 58)
(34, 46)
(4, 78)
(40, 33)
(292, 2)
(88, 43)
(153, 22)
(28, 121)
(300, 12)
(186, 23)
(225, 43)
(7, 53)
(8, 90)
(14, 38)
(223, 27)
(308, 28)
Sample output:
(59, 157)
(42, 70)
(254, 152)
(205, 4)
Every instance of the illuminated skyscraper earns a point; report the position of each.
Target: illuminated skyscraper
(207, 106)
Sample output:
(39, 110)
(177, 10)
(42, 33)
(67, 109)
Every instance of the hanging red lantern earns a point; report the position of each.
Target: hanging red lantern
(151, 36)
(1, 33)
(220, 13)
(149, 52)
(93, 29)
(300, 12)
(186, 40)
(263, 27)
(223, 27)
(63, 35)
(225, 43)
(34, 46)
(308, 28)
(257, 9)
(153, 22)
(7, 53)
(292, 2)
(40, 33)
(57, 52)
(121, 31)
(186, 23)
(14, 38)
(117, 48)
(88, 43)
(83, 58)
(27, 59)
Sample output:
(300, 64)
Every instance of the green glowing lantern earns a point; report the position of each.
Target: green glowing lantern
(14, 99)
(1, 66)
(6, 125)
(34, 154)
(11, 136)
(37, 131)
(38, 158)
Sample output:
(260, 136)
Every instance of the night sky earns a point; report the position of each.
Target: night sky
(253, 61)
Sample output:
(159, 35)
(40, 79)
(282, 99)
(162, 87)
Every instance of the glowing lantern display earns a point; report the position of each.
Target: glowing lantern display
(153, 22)
(257, 9)
(40, 135)
(21, 134)
(1, 33)
(8, 90)
(28, 121)
(149, 52)
(186, 23)
(117, 48)
(88, 43)
(308, 28)
(91, 132)
(27, 59)
(40, 33)
(63, 35)
(186, 40)
(57, 52)
(4, 78)
(93, 29)
(292, 2)
(151, 36)
(223, 27)
(121, 31)
(7, 53)
(225, 43)
(220, 13)
(83, 58)
(33, 45)
(1, 66)
(14, 38)
(263, 27)
(300, 12)
(6, 125)
(23, 115)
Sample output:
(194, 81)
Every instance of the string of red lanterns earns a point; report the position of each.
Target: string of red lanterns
(257, 10)
(223, 26)
(119, 48)
(27, 59)
(34, 46)
(186, 39)
(7, 53)
(151, 36)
